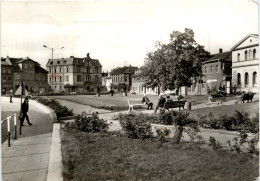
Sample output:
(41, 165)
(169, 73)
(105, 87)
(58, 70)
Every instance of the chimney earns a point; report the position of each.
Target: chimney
(220, 50)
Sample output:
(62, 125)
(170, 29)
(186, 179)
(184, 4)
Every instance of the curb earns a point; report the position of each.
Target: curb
(52, 113)
(55, 159)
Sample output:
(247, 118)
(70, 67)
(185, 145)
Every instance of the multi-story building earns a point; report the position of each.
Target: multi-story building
(32, 74)
(74, 75)
(217, 73)
(122, 75)
(245, 64)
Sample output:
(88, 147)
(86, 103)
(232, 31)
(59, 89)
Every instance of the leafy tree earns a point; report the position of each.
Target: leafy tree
(174, 64)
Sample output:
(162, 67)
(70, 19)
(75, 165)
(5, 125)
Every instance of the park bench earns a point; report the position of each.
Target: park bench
(135, 102)
(216, 99)
(173, 104)
(247, 97)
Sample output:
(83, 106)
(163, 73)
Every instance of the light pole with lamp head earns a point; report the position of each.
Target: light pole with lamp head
(52, 49)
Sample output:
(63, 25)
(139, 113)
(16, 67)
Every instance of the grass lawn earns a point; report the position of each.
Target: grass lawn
(251, 108)
(92, 156)
(121, 101)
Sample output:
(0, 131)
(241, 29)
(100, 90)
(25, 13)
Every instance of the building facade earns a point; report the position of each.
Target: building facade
(33, 75)
(74, 75)
(245, 63)
(217, 72)
(122, 75)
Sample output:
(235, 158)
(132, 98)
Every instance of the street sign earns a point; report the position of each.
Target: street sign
(19, 91)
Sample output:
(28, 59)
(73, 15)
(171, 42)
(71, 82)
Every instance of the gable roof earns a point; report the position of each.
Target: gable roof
(241, 41)
(124, 70)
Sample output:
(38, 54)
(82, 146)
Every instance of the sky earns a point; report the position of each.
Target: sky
(119, 33)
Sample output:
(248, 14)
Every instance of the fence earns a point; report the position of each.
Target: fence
(8, 127)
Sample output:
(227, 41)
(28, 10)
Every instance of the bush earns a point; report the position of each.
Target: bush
(88, 123)
(135, 125)
(60, 110)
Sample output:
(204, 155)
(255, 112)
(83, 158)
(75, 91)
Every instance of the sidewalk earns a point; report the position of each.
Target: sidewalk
(28, 157)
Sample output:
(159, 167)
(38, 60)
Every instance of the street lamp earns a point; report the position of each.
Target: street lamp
(52, 49)
(20, 63)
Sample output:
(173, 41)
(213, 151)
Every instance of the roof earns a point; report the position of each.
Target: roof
(124, 70)
(241, 41)
(5, 62)
(227, 56)
(39, 69)
(73, 60)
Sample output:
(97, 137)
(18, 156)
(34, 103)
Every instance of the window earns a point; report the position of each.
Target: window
(55, 79)
(50, 79)
(246, 79)
(60, 79)
(206, 71)
(58, 62)
(255, 81)
(211, 69)
(50, 70)
(78, 78)
(55, 70)
(67, 69)
(88, 70)
(96, 69)
(238, 80)
(246, 55)
(216, 68)
(254, 53)
(67, 78)
(4, 79)
(60, 70)
(238, 57)
(96, 78)
(60, 87)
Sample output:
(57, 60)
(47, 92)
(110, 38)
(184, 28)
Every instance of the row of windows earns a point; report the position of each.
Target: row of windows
(78, 69)
(6, 70)
(6, 79)
(116, 79)
(212, 69)
(248, 55)
(79, 78)
(246, 79)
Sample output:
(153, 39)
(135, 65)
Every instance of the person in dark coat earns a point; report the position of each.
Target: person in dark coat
(11, 96)
(147, 102)
(25, 109)
(161, 102)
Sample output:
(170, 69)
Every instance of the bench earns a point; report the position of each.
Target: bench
(135, 102)
(247, 97)
(174, 104)
(216, 100)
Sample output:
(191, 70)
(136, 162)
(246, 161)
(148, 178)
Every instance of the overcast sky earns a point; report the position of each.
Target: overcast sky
(119, 33)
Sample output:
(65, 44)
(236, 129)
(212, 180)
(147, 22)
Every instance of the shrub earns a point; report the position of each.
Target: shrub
(135, 125)
(88, 123)
(214, 144)
(60, 110)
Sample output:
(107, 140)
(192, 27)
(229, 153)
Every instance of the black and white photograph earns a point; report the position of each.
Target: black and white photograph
(133, 90)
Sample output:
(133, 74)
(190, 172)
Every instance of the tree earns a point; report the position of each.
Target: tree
(174, 64)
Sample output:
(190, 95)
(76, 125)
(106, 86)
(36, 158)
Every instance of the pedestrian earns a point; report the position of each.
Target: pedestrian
(235, 89)
(25, 109)
(11, 96)
(147, 102)
(161, 102)
(168, 99)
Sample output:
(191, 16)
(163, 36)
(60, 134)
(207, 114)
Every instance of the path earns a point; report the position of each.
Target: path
(28, 157)
(114, 125)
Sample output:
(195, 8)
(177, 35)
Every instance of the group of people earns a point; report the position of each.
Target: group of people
(160, 103)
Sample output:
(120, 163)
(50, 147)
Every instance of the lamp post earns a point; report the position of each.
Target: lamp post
(52, 49)
(22, 92)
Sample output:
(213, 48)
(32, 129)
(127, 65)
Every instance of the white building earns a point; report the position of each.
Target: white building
(245, 64)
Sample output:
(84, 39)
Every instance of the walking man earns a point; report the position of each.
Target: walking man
(11, 96)
(25, 109)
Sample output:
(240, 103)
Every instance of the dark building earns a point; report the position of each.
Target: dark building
(122, 75)
(32, 74)
(217, 72)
